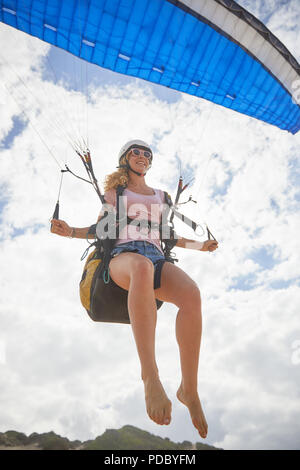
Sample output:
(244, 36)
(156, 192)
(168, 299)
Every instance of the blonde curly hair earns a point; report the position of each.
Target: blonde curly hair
(119, 177)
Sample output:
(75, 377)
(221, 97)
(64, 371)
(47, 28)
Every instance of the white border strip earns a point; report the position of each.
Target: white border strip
(248, 37)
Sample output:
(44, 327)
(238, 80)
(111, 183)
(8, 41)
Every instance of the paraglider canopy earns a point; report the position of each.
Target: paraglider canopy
(213, 49)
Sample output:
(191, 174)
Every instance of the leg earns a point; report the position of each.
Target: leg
(178, 288)
(134, 273)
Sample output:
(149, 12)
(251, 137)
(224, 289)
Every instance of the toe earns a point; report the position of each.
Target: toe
(167, 420)
(201, 427)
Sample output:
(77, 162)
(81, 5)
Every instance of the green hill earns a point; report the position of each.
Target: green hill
(126, 438)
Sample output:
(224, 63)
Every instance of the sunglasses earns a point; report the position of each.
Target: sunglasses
(137, 152)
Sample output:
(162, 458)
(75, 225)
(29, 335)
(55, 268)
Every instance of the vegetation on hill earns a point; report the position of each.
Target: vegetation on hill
(126, 438)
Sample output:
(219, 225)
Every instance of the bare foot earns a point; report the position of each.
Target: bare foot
(157, 403)
(192, 402)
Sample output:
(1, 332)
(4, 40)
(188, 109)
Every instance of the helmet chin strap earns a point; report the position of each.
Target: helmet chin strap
(136, 172)
(131, 169)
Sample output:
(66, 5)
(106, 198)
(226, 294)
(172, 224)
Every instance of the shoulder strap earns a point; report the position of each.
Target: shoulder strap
(108, 244)
(168, 199)
(119, 191)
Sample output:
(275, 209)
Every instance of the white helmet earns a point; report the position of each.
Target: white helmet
(131, 144)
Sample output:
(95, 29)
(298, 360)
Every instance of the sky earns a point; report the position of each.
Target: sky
(60, 371)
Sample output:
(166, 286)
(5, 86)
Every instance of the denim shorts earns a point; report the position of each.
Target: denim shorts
(146, 249)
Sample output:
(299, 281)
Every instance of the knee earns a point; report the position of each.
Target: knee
(191, 297)
(194, 293)
(142, 268)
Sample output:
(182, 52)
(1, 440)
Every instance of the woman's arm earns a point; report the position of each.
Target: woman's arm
(60, 227)
(208, 245)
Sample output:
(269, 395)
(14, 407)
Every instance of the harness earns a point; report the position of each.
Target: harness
(102, 298)
(106, 244)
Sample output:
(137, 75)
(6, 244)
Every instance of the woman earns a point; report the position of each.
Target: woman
(134, 266)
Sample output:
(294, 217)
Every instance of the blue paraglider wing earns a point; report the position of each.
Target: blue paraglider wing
(213, 49)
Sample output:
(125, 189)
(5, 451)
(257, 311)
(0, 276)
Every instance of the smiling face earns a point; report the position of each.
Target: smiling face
(140, 159)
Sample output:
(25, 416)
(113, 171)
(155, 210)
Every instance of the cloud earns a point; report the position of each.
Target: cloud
(63, 372)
